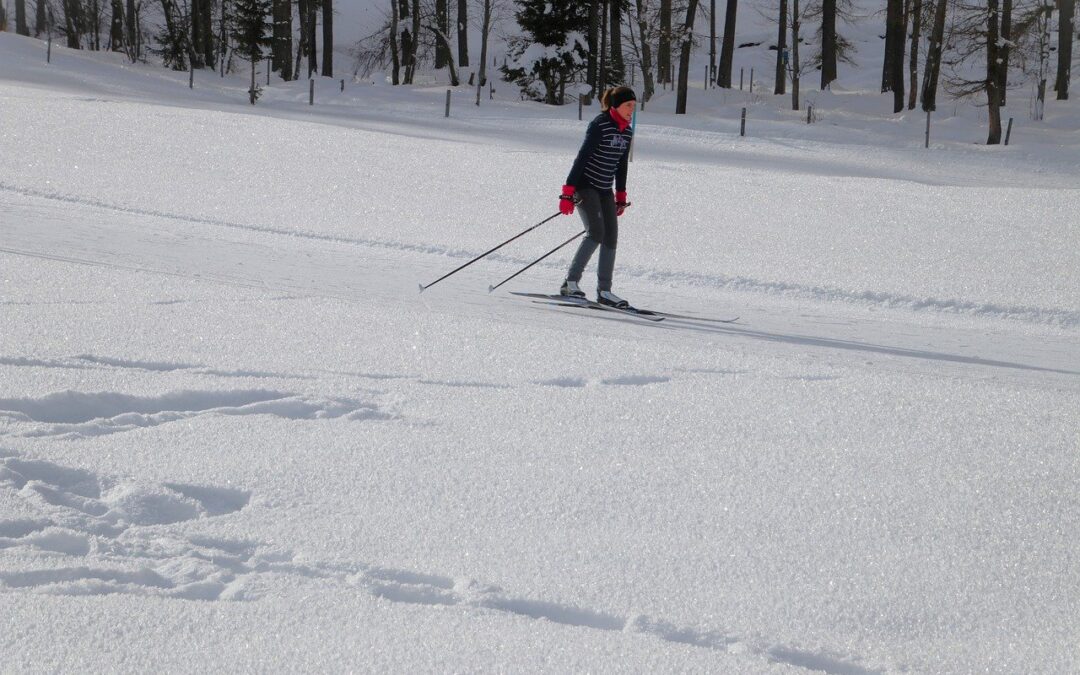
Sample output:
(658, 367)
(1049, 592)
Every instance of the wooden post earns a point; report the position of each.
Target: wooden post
(48, 54)
(928, 114)
(191, 74)
(269, 67)
(741, 72)
(478, 90)
(751, 80)
(311, 92)
(580, 108)
(809, 114)
(706, 78)
(742, 125)
(448, 103)
(343, 86)
(1008, 132)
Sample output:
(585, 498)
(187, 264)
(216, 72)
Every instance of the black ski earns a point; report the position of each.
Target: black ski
(569, 301)
(644, 313)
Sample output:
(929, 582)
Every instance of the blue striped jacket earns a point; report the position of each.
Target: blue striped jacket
(603, 157)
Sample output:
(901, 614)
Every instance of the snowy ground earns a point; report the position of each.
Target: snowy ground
(234, 436)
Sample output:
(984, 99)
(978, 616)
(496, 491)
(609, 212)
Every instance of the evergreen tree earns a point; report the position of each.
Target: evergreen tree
(251, 34)
(549, 53)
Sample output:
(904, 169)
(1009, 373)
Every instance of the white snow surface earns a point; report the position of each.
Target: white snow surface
(233, 436)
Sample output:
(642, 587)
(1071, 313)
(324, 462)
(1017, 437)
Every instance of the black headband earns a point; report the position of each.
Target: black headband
(620, 96)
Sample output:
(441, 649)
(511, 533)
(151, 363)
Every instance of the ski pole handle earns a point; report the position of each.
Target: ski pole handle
(424, 287)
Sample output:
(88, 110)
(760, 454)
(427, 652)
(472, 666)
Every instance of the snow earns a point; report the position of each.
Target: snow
(234, 436)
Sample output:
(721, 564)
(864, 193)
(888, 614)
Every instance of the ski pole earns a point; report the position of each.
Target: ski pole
(492, 288)
(520, 234)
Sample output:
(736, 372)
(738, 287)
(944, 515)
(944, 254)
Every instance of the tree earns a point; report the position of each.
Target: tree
(463, 33)
(663, 54)
(617, 69)
(796, 75)
(442, 19)
(1066, 13)
(913, 63)
(592, 76)
(548, 53)
(21, 26)
(328, 38)
(781, 51)
(727, 49)
(443, 41)
(644, 49)
(933, 57)
(172, 38)
(977, 35)
(828, 43)
(73, 23)
(395, 69)
(893, 69)
(116, 27)
(250, 35)
(281, 50)
(687, 40)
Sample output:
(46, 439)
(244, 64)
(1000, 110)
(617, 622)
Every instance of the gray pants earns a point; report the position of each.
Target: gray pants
(597, 210)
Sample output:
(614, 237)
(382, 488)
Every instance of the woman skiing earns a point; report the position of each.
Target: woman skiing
(602, 160)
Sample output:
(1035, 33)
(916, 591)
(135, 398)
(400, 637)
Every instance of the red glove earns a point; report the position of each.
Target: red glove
(566, 200)
(620, 203)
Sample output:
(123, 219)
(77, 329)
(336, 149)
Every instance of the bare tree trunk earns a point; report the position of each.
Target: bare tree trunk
(1066, 12)
(933, 57)
(781, 52)
(40, 19)
(684, 56)
(21, 26)
(796, 25)
(281, 52)
(993, 74)
(646, 52)
(894, 53)
(618, 68)
(116, 27)
(328, 38)
(129, 26)
(913, 62)
(441, 38)
(442, 50)
(485, 31)
(663, 56)
(591, 76)
(712, 40)
(395, 58)
(727, 50)
(72, 21)
(828, 43)
(603, 46)
(463, 33)
(1005, 51)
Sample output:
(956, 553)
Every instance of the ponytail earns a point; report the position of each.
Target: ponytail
(615, 97)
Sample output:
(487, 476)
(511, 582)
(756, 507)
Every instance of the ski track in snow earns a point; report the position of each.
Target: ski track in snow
(1028, 314)
(72, 414)
(89, 534)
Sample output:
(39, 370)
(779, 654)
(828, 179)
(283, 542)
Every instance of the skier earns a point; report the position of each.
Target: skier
(602, 159)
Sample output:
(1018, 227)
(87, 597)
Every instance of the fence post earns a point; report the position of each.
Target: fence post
(191, 74)
(809, 114)
(479, 88)
(927, 143)
(741, 71)
(1008, 133)
(343, 86)
(580, 107)
(742, 125)
(311, 92)
(751, 80)
(448, 103)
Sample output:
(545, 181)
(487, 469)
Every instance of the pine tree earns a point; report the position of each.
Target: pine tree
(547, 54)
(250, 28)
